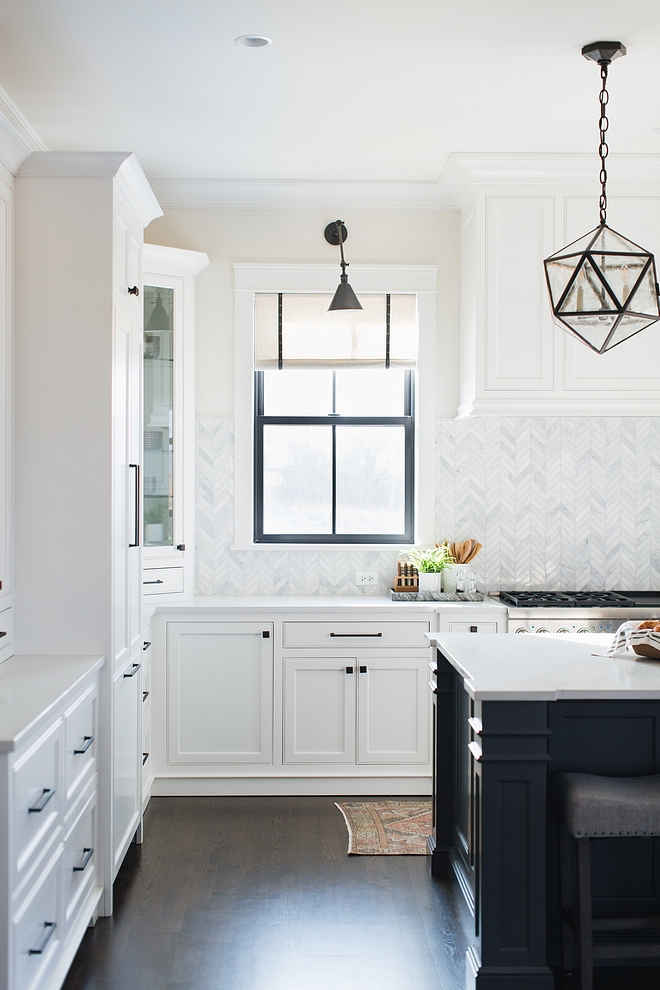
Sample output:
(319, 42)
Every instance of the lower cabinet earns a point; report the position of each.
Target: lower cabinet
(219, 692)
(127, 764)
(365, 710)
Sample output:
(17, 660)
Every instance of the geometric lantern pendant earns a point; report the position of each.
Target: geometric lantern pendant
(603, 288)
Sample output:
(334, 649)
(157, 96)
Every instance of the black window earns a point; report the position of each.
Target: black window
(334, 455)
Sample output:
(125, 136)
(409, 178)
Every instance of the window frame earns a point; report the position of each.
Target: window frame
(407, 421)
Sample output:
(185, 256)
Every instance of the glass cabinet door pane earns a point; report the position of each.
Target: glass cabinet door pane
(158, 364)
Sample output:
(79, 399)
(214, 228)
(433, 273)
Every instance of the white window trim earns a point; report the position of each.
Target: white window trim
(251, 278)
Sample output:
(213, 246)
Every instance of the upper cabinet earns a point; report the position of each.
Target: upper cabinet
(6, 226)
(515, 211)
(169, 422)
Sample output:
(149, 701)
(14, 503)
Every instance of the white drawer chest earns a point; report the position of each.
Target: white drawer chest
(48, 815)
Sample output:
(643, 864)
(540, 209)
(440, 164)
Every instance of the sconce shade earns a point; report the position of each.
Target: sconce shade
(344, 298)
(603, 288)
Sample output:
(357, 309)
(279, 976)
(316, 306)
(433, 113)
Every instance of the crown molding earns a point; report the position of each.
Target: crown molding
(302, 194)
(464, 172)
(173, 261)
(17, 137)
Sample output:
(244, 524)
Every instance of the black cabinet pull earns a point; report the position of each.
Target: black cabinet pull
(363, 669)
(134, 290)
(136, 532)
(433, 687)
(2, 633)
(87, 855)
(145, 757)
(136, 667)
(50, 927)
(349, 670)
(87, 742)
(145, 646)
(181, 546)
(355, 635)
(266, 634)
(474, 628)
(46, 795)
(152, 582)
(145, 695)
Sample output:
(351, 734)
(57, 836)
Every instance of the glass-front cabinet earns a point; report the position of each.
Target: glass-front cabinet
(169, 421)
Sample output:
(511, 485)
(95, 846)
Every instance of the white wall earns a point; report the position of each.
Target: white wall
(228, 236)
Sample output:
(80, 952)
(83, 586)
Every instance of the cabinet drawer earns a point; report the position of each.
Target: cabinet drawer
(80, 729)
(473, 627)
(79, 862)
(351, 635)
(36, 937)
(162, 580)
(36, 803)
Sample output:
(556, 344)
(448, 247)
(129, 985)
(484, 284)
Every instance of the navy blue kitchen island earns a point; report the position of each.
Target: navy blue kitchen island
(510, 711)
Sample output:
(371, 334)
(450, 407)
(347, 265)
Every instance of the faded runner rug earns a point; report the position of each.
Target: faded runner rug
(387, 827)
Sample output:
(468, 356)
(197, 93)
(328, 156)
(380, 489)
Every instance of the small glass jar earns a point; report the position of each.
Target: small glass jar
(466, 579)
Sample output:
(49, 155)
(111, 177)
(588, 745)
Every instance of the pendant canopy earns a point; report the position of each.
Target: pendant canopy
(603, 287)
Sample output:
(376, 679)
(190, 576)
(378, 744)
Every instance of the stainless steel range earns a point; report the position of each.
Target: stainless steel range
(576, 611)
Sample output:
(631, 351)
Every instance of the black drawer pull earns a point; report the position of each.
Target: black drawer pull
(2, 633)
(433, 687)
(133, 291)
(153, 582)
(349, 670)
(50, 927)
(474, 628)
(145, 645)
(145, 695)
(266, 634)
(136, 667)
(87, 855)
(145, 757)
(87, 742)
(355, 635)
(363, 669)
(181, 546)
(46, 795)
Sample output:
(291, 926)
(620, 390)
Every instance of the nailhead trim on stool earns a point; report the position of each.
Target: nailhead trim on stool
(592, 806)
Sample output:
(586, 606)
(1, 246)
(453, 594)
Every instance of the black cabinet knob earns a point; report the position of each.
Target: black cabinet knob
(133, 291)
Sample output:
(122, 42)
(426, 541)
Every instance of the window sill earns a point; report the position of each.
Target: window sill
(392, 547)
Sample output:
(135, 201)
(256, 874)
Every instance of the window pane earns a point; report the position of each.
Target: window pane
(297, 479)
(158, 357)
(373, 392)
(297, 393)
(370, 479)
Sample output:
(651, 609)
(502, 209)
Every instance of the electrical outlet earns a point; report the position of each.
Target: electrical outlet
(366, 577)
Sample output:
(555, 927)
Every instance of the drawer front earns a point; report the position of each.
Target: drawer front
(80, 732)
(37, 801)
(162, 580)
(79, 862)
(473, 627)
(353, 635)
(36, 934)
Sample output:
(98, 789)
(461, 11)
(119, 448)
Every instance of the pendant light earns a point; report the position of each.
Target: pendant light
(344, 298)
(603, 287)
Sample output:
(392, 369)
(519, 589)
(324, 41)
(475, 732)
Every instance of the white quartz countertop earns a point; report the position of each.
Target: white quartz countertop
(318, 603)
(31, 685)
(547, 668)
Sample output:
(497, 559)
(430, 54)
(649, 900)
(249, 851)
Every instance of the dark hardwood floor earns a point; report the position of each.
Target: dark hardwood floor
(259, 894)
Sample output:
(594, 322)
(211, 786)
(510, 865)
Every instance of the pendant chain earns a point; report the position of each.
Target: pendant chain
(603, 150)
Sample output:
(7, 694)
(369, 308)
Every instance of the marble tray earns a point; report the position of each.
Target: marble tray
(435, 596)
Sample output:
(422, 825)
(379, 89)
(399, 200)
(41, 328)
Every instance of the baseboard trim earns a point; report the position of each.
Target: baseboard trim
(277, 786)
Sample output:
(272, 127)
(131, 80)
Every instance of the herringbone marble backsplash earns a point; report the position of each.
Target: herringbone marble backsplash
(558, 502)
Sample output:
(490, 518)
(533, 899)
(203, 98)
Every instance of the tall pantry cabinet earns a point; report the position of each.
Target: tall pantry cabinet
(78, 445)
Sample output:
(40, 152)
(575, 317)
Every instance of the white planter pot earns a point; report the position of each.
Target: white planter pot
(429, 582)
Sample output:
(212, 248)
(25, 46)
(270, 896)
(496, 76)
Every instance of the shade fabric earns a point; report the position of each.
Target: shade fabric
(309, 337)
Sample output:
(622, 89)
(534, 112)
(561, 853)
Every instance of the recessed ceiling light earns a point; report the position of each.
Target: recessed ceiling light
(253, 41)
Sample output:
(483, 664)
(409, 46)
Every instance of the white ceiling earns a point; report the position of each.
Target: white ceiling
(350, 89)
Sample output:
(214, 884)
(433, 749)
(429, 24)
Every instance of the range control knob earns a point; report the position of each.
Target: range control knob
(564, 629)
(584, 629)
(542, 630)
(522, 629)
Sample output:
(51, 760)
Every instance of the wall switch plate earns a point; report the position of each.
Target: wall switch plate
(366, 577)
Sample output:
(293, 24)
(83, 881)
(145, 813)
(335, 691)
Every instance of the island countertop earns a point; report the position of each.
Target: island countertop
(545, 668)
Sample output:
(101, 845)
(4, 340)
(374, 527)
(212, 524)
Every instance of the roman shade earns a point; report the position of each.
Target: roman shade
(294, 330)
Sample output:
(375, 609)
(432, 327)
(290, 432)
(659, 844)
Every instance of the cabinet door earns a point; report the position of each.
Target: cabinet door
(219, 692)
(393, 711)
(127, 764)
(135, 541)
(127, 260)
(319, 710)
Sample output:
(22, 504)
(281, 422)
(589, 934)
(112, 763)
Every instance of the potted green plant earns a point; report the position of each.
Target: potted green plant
(430, 565)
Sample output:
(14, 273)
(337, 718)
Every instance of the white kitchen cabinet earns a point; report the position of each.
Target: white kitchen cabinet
(361, 709)
(78, 432)
(6, 228)
(516, 211)
(147, 764)
(169, 421)
(49, 837)
(219, 692)
(127, 763)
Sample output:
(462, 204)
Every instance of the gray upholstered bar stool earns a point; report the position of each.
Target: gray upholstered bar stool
(591, 807)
